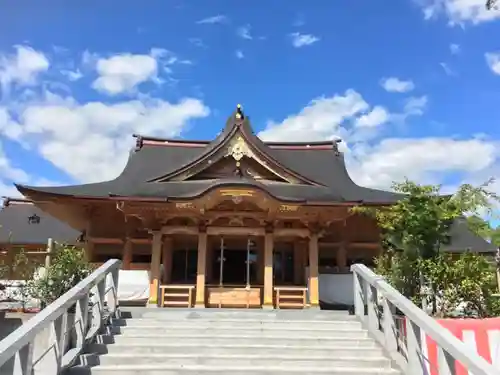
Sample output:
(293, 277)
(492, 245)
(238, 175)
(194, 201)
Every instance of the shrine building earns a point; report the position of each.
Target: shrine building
(232, 222)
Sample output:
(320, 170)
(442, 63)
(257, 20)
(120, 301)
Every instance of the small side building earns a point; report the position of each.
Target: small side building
(24, 226)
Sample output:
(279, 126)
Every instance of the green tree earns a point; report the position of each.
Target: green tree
(479, 226)
(466, 283)
(491, 4)
(416, 227)
(18, 271)
(483, 229)
(495, 236)
(67, 268)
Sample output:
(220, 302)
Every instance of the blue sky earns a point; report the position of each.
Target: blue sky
(411, 86)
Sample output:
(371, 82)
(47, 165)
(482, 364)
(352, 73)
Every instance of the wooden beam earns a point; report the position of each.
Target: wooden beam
(291, 232)
(177, 229)
(238, 231)
(106, 240)
(369, 245)
(141, 241)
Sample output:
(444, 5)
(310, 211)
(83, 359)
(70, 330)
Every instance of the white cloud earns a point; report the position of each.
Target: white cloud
(198, 42)
(301, 40)
(377, 116)
(455, 49)
(331, 117)
(123, 73)
(394, 84)
(416, 105)
(22, 68)
(220, 18)
(493, 61)
(239, 54)
(458, 12)
(321, 119)
(91, 141)
(424, 160)
(447, 70)
(72, 75)
(9, 173)
(244, 32)
(380, 162)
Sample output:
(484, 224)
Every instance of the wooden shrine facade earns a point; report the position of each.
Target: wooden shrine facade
(272, 252)
(232, 221)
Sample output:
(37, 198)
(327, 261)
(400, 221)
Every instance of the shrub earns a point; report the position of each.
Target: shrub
(67, 268)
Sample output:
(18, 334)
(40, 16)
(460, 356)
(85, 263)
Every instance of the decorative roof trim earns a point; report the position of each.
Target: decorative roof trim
(238, 123)
(154, 141)
(174, 144)
(115, 198)
(7, 201)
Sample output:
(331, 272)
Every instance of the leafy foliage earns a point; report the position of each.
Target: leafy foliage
(413, 232)
(68, 267)
(491, 4)
(466, 284)
(21, 267)
(483, 228)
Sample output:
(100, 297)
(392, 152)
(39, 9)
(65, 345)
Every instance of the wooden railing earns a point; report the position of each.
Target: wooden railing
(290, 297)
(176, 295)
(399, 326)
(66, 325)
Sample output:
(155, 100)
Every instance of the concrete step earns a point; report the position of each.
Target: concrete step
(224, 370)
(173, 348)
(291, 332)
(241, 314)
(234, 338)
(246, 360)
(236, 323)
(233, 342)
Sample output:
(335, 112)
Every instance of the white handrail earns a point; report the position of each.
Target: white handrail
(371, 290)
(17, 349)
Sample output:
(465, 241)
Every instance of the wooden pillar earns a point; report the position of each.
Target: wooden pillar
(88, 246)
(313, 270)
(128, 249)
(155, 268)
(167, 260)
(268, 270)
(201, 269)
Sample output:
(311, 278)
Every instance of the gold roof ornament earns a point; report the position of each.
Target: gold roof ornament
(239, 113)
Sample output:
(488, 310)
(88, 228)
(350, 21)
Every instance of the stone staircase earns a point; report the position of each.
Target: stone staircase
(233, 342)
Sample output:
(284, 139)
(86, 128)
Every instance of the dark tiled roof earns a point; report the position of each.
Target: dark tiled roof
(463, 239)
(15, 226)
(150, 163)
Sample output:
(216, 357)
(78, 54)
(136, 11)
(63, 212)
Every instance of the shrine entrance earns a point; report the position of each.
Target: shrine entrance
(235, 268)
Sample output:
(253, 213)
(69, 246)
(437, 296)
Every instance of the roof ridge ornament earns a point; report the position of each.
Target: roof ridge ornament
(336, 146)
(239, 113)
(139, 142)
